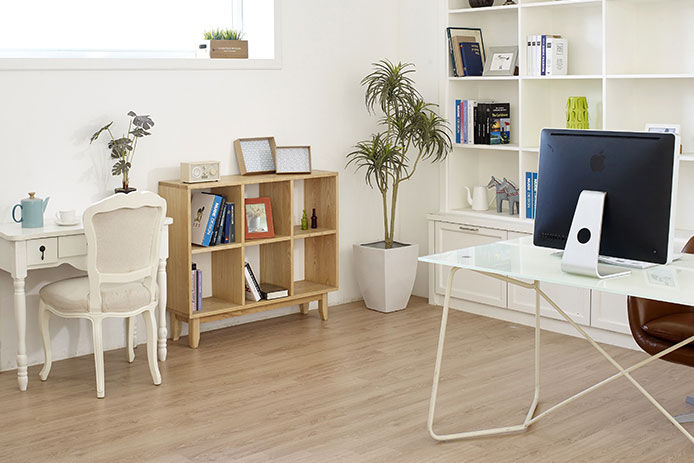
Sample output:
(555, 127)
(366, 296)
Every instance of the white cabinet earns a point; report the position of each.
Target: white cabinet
(468, 285)
(609, 312)
(574, 301)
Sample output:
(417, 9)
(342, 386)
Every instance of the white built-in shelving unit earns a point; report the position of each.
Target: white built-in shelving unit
(632, 59)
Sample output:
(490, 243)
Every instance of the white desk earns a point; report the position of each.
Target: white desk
(518, 259)
(21, 251)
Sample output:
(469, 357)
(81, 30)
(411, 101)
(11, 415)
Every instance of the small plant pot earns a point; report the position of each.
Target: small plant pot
(125, 190)
(234, 49)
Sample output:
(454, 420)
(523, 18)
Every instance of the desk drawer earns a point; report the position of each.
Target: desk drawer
(42, 251)
(70, 246)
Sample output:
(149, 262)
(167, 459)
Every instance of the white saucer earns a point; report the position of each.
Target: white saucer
(67, 224)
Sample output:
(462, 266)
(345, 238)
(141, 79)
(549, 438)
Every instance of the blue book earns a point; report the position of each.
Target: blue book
(528, 195)
(227, 222)
(464, 121)
(534, 192)
(457, 121)
(543, 55)
(204, 208)
(472, 58)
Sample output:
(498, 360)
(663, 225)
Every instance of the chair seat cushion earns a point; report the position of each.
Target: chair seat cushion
(72, 296)
(674, 328)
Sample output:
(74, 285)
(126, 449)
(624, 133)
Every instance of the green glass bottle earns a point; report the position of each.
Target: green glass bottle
(304, 221)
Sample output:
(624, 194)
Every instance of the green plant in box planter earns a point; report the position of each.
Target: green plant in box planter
(412, 132)
(226, 43)
(123, 148)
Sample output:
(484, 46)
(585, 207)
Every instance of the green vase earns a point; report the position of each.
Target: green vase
(577, 113)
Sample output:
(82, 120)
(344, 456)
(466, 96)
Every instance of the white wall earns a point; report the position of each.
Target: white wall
(46, 119)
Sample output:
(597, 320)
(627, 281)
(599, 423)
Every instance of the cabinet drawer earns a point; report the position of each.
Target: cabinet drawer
(42, 251)
(468, 285)
(70, 246)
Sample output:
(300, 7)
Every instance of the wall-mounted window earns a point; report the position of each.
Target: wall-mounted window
(147, 30)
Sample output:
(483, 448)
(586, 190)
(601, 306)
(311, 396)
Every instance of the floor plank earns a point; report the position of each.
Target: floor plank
(352, 389)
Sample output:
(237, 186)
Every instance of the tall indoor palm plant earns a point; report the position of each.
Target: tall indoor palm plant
(410, 132)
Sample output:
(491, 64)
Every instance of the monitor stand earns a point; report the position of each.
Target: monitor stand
(583, 244)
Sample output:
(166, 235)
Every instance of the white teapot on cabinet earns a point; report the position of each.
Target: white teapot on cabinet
(478, 199)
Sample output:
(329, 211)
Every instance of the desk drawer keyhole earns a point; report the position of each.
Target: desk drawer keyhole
(43, 250)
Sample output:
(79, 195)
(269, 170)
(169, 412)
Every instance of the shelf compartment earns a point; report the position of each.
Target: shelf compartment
(321, 260)
(311, 232)
(304, 288)
(321, 194)
(275, 239)
(197, 249)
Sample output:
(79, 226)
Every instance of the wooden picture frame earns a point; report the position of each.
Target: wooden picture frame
(502, 61)
(258, 218)
(293, 159)
(255, 155)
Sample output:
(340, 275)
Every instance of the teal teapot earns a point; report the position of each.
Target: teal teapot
(31, 211)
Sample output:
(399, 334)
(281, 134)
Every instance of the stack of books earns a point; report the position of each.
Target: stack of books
(212, 219)
(256, 291)
(530, 194)
(482, 123)
(466, 55)
(547, 55)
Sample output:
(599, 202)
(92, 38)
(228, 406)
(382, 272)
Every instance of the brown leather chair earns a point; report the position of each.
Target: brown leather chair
(658, 325)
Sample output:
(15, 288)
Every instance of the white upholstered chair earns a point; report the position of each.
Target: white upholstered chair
(123, 236)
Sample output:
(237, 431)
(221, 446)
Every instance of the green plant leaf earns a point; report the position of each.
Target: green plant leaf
(139, 132)
(143, 121)
(97, 133)
(120, 167)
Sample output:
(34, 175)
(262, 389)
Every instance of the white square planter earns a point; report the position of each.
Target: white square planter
(386, 276)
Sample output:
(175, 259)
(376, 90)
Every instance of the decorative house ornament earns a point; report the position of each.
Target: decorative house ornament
(255, 155)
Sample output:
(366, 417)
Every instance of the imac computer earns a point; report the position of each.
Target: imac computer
(608, 194)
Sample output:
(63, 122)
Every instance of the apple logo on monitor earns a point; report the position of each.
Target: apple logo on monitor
(597, 162)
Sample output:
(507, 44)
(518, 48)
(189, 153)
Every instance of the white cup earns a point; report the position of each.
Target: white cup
(67, 216)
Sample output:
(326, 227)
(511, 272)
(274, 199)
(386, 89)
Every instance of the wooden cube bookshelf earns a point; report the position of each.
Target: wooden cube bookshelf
(276, 254)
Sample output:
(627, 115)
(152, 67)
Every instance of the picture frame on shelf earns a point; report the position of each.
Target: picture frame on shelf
(665, 128)
(255, 155)
(258, 215)
(293, 160)
(503, 61)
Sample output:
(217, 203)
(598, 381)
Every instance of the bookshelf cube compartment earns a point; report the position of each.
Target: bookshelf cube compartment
(550, 99)
(321, 194)
(579, 23)
(227, 275)
(646, 37)
(274, 265)
(321, 260)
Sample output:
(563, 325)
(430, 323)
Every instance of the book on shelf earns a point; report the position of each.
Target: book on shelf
(204, 213)
(196, 277)
(269, 291)
(500, 124)
(482, 122)
(530, 194)
(252, 286)
(472, 59)
(229, 235)
(547, 55)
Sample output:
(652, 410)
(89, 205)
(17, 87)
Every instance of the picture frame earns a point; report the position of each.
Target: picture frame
(255, 155)
(502, 61)
(474, 32)
(258, 218)
(293, 160)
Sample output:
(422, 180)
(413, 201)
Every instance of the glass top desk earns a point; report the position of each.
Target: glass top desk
(518, 259)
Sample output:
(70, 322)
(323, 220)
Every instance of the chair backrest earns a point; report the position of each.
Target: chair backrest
(123, 238)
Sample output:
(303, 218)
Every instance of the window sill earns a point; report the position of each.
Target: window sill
(136, 64)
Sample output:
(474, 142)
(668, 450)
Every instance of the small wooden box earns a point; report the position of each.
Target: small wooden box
(228, 49)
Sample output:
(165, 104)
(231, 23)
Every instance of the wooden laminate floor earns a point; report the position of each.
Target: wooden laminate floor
(353, 389)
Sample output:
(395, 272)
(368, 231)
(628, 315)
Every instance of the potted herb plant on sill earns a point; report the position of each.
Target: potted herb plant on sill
(412, 132)
(123, 148)
(225, 43)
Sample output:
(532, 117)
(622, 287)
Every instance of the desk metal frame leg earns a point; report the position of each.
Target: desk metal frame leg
(530, 418)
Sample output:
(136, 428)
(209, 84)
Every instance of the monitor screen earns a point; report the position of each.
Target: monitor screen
(638, 172)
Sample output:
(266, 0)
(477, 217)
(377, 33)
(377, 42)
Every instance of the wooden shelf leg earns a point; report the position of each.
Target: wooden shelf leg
(323, 306)
(194, 332)
(175, 328)
(304, 308)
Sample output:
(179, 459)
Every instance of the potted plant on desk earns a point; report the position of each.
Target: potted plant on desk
(411, 132)
(123, 148)
(225, 43)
